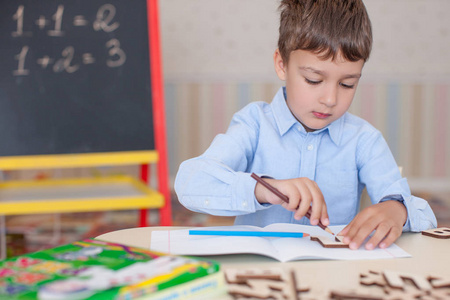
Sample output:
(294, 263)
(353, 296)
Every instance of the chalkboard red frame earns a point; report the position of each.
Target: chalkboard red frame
(159, 118)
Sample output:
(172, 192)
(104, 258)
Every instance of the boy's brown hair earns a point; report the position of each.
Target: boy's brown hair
(325, 27)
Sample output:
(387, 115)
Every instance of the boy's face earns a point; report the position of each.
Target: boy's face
(318, 91)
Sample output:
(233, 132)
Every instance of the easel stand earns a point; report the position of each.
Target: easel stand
(119, 101)
(82, 194)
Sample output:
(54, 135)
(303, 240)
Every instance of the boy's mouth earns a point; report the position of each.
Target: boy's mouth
(320, 115)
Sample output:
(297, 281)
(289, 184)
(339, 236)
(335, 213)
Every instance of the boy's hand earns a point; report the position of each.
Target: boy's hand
(302, 192)
(386, 218)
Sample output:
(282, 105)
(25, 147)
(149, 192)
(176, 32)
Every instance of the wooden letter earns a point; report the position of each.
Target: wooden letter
(395, 280)
(328, 243)
(440, 233)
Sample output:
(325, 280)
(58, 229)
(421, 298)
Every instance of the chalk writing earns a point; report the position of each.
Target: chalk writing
(105, 21)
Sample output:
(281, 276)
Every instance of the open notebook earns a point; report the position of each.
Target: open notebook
(282, 249)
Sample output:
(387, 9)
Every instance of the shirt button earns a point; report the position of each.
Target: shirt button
(244, 204)
(310, 147)
(206, 202)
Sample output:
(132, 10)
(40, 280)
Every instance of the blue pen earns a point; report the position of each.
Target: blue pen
(247, 233)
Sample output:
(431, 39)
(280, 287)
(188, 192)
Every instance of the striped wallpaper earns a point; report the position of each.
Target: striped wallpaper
(413, 118)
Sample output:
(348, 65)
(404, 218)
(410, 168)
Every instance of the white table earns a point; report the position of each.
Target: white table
(430, 256)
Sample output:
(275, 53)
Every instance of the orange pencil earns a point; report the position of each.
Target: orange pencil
(286, 199)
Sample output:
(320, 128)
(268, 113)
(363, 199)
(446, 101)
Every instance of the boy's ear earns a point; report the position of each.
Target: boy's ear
(280, 68)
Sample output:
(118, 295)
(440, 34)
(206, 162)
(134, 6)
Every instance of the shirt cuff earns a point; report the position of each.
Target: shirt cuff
(243, 194)
(419, 213)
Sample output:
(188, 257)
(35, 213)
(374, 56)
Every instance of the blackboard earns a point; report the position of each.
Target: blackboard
(74, 77)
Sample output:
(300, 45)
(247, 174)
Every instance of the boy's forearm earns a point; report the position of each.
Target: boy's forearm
(207, 186)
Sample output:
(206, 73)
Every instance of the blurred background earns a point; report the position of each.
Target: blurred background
(217, 57)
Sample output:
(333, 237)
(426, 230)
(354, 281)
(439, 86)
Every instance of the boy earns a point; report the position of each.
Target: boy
(305, 142)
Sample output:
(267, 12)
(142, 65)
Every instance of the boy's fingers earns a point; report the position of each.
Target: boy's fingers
(284, 205)
(351, 230)
(344, 231)
(324, 218)
(359, 232)
(378, 236)
(304, 201)
(304, 205)
(294, 198)
(356, 242)
(319, 210)
(392, 236)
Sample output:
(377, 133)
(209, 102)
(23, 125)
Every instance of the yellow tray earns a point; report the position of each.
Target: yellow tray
(78, 160)
(77, 195)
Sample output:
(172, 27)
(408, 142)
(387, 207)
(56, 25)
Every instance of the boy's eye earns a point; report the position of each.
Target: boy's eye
(347, 86)
(312, 82)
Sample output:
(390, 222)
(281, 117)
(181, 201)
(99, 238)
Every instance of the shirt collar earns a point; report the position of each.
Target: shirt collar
(283, 116)
(285, 119)
(335, 129)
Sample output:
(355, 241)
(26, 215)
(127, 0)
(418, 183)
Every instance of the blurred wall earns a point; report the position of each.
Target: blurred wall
(217, 57)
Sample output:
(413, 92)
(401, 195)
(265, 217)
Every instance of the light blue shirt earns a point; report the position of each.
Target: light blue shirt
(266, 139)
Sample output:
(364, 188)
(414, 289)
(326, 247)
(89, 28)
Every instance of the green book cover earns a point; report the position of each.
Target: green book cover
(94, 269)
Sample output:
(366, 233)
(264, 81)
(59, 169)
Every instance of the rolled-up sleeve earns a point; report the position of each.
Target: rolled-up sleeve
(420, 215)
(218, 181)
(381, 175)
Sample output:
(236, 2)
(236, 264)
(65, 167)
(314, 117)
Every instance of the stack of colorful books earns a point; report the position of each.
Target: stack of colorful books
(94, 269)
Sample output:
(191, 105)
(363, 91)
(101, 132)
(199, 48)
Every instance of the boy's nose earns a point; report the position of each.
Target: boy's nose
(330, 97)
